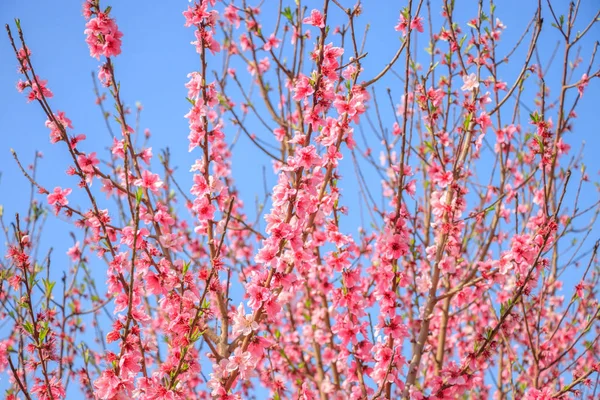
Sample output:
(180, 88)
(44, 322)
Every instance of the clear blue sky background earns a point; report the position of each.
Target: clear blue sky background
(157, 57)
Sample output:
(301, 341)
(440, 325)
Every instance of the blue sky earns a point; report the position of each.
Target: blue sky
(157, 57)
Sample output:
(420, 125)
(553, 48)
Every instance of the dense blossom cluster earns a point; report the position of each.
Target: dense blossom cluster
(455, 278)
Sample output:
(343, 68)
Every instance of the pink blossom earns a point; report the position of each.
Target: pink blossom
(271, 43)
(58, 198)
(232, 16)
(315, 19)
(75, 252)
(103, 36)
(241, 361)
(107, 386)
(396, 247)
(582, 84)
(307, 156)
(149, 181)
(484, 121)
(51, 390)
(204, 208)
(243, 324)
(88, 163)
(470, 82)
(402, 25)
(302, 88)
(39, 90)
(417, 23)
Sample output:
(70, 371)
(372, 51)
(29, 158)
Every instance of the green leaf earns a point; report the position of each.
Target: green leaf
(197, 335)
(139, 195)
(48, 285)
(490, 208)
(535, 117)
(44, 332)
(467, 122)
(287, 13)
(28, 327)
(540, 143)
(429, 146)
(429, 49)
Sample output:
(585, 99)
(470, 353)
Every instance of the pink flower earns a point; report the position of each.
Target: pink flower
(149, 181)
(417, 24)
(75, 252)
(53, 390)
(56, 130)
(171, 241)
(243, 323)
(128, 237)
(349, 72)
(4, 345)
(279, 133)
(241, 361)
(194, 85)
(396, 247)
(271, 43)
(232, 16)
(107, 385)
(315, 19)
(444, 179)
(264, 65)
(204, 208)
(583, 84)
(535, 394)
(402, 25)
(163, 217)
(470, 82)
(267, 255)
(38, 91)
(146, 155)
(302, 88)
(104, 75)
(257, 295)
(103, 36)
(307, 156)
(129, 364)
(87, 163)
(395, 328)
(484, 121)
(245, 43)
(423, 282)
(58, 198)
